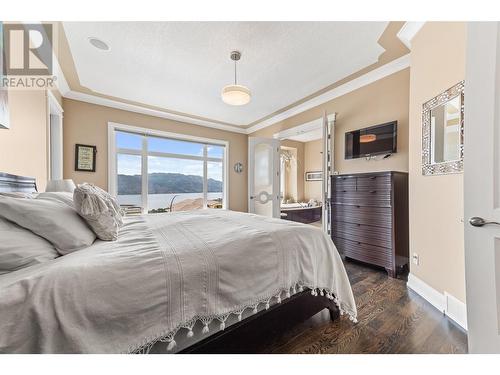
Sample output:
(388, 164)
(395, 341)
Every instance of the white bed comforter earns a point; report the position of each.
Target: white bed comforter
(165, 273)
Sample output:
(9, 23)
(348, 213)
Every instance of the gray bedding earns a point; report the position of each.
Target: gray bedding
(165, 273)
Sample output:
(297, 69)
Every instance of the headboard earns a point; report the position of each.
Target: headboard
(12, 183)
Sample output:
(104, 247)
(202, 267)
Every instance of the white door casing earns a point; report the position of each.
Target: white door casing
(328, 130)
(264, 176)
(482, 186)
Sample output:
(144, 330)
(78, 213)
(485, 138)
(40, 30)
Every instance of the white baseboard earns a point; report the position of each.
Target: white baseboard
(450, 306)
(456, 310)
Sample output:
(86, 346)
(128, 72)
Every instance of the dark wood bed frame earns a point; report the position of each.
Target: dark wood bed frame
(249, 335)
(246, 336)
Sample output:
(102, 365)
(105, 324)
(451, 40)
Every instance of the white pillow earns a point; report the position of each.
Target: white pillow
(61, 197)
(20, 248)
(99, 209)
(56, 222)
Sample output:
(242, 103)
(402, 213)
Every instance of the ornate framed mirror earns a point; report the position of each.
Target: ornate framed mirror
(443, 132)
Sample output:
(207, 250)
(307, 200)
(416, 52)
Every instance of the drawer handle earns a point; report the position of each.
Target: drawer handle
(344, 191)
(373, 177)
(373, 191)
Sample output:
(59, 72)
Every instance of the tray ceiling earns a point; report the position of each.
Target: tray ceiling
(182, 66)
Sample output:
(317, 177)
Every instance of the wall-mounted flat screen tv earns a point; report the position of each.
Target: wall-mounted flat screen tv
(374, 140)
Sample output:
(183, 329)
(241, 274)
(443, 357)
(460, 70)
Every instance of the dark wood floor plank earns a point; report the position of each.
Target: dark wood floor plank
(391, 319)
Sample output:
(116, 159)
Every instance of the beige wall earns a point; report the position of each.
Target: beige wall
(436, 202)
(23, 147)
(313, 161)
(88, 123)
(381, 101)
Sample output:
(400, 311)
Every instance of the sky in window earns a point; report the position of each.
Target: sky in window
(170, 165)
(174, 146)
(127, 140)
(131, 165)
(155, 144)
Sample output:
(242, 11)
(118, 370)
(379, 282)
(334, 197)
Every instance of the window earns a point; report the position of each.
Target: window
(166, 173)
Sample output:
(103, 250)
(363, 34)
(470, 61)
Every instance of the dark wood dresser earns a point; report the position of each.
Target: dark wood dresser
(370, 218)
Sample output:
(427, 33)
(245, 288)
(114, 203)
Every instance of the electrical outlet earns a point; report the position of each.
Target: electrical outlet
(416, 259)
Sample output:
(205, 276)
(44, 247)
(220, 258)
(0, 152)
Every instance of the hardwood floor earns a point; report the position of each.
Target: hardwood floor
(391, 319)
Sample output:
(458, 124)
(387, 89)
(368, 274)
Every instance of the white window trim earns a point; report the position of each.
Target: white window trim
(112, 152)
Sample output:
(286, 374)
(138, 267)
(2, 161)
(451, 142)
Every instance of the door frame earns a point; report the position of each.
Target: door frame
(275, 174)
(482, 111)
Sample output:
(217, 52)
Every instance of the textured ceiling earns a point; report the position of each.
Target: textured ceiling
(182, 66)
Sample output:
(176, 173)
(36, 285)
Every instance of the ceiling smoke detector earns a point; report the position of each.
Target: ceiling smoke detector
(98, 43)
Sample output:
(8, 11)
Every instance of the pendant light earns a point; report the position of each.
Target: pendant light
(235, 94)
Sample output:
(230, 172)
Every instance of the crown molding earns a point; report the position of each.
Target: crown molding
(374, 75)
(66, 92)
(385, 70)
(93, 99)
(303, 128)
(408, 32)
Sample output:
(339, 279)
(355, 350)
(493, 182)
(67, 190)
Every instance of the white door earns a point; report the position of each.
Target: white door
(482, 187)
(263, 176)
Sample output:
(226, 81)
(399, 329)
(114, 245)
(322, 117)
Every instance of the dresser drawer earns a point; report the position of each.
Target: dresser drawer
(381, 183)
(363, 198)
(379, 256)
(378, 236)
(378, 216)
(343, 184)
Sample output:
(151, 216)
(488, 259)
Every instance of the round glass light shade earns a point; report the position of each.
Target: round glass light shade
(235, 95)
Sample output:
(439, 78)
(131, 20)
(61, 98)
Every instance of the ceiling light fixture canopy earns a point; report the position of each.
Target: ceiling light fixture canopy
(235, 94)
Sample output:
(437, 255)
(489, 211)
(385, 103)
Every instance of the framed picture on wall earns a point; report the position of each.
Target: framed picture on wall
(314, 176)
(85, 158)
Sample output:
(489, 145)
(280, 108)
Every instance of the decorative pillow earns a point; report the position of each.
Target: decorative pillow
(56, 222)
(61, 197)
(99, 209)
(20, 248)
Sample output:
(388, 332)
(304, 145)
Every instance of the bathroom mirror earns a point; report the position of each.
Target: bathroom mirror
(443, 132)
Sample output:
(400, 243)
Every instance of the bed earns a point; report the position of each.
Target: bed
(210, 281)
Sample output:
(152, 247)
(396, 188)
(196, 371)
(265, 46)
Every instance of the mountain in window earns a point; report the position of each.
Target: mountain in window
(166, 183)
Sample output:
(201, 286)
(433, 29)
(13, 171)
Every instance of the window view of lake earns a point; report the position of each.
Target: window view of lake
(166, 191)
(156, 201)
(178, 173)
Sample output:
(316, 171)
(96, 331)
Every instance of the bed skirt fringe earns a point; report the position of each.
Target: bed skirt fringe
(206, 320)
